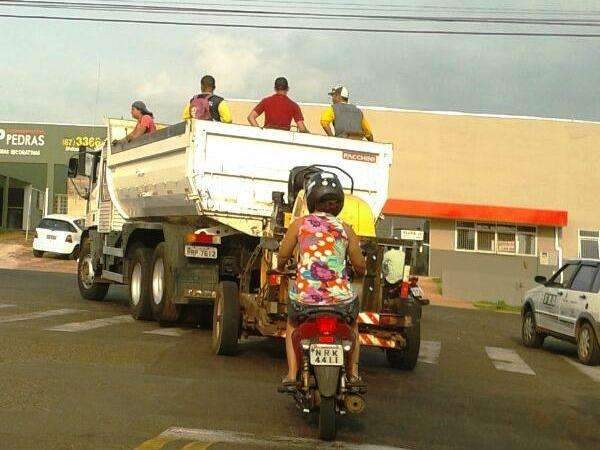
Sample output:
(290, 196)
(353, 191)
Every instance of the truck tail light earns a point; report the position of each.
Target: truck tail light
(274, 279)
(69, 239)
(202, 238)
(404, 289)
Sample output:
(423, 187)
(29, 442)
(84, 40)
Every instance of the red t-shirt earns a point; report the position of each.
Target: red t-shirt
(279, 111)
(148, 123)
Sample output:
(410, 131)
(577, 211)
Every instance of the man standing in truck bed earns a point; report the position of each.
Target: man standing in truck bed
(207, 105)
(279, 109)
(347, 119)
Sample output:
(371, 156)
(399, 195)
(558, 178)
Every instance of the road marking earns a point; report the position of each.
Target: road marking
(92, 324)
(4, 305)
(590, 371)
(38, 315)
(175, 332)
(430, 352)
(205, 438)
(508, 360)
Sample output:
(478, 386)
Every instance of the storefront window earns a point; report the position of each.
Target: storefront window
(496, 238)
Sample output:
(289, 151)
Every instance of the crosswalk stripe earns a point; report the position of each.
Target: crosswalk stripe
(92, 324)
(590, 371)
(38, 315)
(175, 332)
(508, 360)
(249, 439)
(5, 305)
(430, 352)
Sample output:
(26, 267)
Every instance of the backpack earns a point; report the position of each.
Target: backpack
(200, 107)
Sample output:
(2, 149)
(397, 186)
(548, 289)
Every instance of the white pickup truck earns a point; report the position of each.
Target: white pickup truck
(176, 212)
(567, 306)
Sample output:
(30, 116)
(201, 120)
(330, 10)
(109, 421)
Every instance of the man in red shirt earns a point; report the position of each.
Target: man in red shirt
(279, 109)
(145, 122)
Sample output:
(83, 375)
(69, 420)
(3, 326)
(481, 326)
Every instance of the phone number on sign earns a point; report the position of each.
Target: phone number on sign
(86, 141)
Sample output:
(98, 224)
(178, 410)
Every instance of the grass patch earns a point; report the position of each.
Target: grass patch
(499, 305)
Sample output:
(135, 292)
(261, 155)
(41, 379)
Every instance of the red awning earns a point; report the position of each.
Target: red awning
(458, 211)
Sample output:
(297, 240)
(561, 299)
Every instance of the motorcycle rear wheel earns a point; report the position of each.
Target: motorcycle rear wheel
(327, 427)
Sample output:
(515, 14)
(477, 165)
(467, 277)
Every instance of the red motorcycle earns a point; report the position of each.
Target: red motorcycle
(323, 342)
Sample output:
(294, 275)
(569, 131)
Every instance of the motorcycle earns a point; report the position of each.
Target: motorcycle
(323, 343)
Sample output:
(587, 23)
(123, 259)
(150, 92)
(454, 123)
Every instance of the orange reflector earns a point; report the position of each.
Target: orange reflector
(326, 339)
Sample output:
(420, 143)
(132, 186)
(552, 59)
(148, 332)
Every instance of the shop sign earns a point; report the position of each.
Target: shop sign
(412, 235)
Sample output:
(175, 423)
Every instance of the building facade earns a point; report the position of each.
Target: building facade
(33, 168)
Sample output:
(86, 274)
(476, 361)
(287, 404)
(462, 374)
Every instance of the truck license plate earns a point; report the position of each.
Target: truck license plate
(416, 291)
(326, 355)
(200, 251)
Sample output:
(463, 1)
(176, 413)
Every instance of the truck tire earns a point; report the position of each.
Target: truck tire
(140, 283)
(226, 319)
(588, 350)
(88, 287)
(327, 428)
(38, 253)
(529, 335)
(164, 309)
(406, 359)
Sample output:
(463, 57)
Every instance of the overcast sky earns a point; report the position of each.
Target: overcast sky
(49, 69)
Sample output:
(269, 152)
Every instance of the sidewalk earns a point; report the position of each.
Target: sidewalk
(432, 291)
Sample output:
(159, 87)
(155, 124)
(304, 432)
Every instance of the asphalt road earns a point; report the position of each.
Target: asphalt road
(110, 384)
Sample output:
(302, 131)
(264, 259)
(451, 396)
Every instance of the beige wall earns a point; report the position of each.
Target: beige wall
(522, 162)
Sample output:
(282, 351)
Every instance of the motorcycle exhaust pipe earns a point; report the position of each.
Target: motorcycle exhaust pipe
(354, 403)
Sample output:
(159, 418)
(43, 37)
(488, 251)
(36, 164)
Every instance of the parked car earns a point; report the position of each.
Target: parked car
(567, 306)
(58, 233)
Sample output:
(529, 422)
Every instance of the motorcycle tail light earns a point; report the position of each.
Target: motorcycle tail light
(326, 339)
(326, 325)
(69, 238)
(404, 287)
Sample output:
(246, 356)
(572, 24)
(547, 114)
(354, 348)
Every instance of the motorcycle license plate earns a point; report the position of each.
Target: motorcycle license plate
(326, 355)
(416, 291)
(200, 251)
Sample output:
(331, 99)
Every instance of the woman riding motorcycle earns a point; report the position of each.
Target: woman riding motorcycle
(323, 243)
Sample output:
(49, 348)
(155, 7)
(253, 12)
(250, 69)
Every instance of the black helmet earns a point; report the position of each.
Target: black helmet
(323, 186)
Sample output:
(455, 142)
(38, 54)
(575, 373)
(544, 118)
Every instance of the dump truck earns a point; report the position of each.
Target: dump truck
(182, 216)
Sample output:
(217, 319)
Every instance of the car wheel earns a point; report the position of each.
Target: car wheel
(38, 253)
(164, 308)
(529, 334)
(587, 345)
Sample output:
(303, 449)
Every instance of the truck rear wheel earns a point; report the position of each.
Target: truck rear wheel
(406, 359)
(140, 283)
(164, 308)
(88, 287)
(226, 319)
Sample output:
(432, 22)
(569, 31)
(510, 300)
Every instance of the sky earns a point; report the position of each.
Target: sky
(80, 72)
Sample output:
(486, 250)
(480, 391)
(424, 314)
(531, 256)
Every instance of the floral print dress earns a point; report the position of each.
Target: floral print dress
(321, 278)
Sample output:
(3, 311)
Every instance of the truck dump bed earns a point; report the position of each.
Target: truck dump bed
(228, 172)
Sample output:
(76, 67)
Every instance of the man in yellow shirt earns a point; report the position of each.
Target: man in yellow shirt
(348, 121)
(207, 105)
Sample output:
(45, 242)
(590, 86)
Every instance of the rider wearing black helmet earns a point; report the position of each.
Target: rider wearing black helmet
(324, 245)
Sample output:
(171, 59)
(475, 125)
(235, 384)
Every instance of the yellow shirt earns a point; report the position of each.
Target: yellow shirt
(328, 116)
(224, 112)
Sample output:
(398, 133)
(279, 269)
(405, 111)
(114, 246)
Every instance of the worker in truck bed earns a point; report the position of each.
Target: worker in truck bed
(279, 109)
(207, 105)
(323, 242)
(145, 122)
(348, 121)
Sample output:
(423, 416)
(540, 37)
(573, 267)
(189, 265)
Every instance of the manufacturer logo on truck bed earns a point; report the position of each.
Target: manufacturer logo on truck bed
(360, 156)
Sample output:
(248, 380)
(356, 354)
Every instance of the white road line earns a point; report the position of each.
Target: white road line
(92, 324)
(4, 305)
(430, 352)
(231, 437)
(175, 332)
(38, 315)
(508, 360)
(590, 371)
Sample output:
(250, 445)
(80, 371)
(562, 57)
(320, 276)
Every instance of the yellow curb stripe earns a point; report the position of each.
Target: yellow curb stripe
(155, 444)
